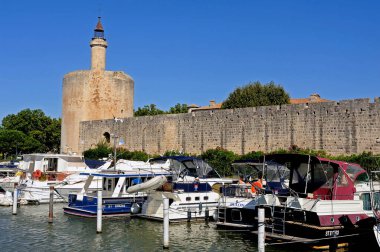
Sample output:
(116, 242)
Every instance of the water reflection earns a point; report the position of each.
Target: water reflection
(29, 230)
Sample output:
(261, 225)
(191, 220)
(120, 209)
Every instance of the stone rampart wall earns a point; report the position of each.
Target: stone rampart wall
(345, 127)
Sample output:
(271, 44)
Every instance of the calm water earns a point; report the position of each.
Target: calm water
(30, 231)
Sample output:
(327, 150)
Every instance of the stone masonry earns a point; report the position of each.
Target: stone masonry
(345, 127)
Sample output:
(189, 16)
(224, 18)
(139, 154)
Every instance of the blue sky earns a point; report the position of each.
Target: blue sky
(190, 51)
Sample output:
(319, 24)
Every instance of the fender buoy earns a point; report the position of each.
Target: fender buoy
(37, 173)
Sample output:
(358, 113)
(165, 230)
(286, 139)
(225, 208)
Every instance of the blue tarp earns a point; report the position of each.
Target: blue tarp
(93, 164)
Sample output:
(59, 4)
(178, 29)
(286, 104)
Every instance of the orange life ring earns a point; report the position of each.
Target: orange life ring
(37, 173)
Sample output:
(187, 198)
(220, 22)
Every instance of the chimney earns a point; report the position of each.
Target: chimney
(212, 103)
(314, 97)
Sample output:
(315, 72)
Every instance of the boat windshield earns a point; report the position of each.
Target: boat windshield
(277, 173)
(193, 167)
(249, 170)
(357, 174)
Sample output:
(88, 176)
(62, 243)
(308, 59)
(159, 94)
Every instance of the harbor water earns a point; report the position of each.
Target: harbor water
(29, 230)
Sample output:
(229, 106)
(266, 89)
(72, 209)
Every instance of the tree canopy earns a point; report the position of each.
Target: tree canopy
(148, 110)
(178, 108)
(256, 94)
(152, 109)
(29, 131)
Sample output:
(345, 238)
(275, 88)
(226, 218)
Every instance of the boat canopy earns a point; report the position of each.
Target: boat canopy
(319, 177)
(188, 166)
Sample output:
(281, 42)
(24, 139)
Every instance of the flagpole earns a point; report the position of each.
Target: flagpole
(114, 154)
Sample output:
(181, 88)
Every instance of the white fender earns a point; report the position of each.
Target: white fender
(148, 185)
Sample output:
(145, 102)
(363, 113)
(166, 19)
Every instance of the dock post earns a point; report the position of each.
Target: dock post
(15, 197)
(207, 214)
(188, 215)
(51, 204)
(261, 230)
(166, 223)
(99, 212)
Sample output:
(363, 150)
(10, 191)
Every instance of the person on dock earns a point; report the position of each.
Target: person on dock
(241, 180)
(257, 184)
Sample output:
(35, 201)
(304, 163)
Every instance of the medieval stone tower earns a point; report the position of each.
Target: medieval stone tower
(94, 94)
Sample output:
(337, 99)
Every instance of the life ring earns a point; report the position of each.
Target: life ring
(37, 173)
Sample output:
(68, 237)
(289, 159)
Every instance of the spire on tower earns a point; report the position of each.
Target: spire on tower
(99, 31)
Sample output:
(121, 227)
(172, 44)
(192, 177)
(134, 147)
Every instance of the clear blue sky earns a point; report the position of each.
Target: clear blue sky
(190, 51)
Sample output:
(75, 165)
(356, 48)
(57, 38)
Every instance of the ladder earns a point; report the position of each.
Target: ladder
(222, 210)
(278, 219)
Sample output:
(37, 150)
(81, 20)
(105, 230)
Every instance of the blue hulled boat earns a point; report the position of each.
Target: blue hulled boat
(122, 193)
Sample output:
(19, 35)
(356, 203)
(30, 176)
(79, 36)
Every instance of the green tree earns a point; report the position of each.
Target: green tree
(220, 159)
(255, 94)
(42, 132)
(26, 121)
(148, 110)
(11, 141)
(102, 150)
(178, 108)
(132, 155)
(254, 155)
(53, 135)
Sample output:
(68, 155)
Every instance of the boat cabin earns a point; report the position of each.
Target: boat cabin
(52, 167)
(319, 178)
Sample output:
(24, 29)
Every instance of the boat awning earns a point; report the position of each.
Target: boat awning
(121, 175)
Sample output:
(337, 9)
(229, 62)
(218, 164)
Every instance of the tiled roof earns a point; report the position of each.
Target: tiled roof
(314, 98)
(211, 106)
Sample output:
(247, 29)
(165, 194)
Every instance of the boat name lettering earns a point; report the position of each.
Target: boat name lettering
(237, 204)
(332, 233)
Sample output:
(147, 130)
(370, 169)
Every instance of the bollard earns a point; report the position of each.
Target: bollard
(51, 204)
(99, 213)
(166, 223)
(188, 215)
(207, 214)
(261, 229)
(15, 197)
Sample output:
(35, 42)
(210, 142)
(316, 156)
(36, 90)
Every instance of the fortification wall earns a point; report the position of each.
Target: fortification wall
(345, 127)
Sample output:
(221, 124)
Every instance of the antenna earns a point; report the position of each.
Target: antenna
(99, 8)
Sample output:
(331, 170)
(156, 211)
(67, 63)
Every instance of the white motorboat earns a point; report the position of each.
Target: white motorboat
(193, 193)
(64, 173)
(5, 198)
(123, 192)
(40, 171)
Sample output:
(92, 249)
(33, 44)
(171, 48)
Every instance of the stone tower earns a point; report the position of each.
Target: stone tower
(94, 94)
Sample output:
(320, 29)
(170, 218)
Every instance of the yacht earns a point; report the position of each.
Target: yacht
(193, 192)
(122, 192)
(39, 171)
(325, 203)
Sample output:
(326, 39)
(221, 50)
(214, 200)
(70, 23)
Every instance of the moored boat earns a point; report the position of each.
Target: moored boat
(193, 192)
(326, 202)
(117, 200)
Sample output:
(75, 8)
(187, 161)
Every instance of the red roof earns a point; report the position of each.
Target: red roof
(99, 26)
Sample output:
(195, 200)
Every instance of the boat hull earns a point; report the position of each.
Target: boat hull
(87, 207)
